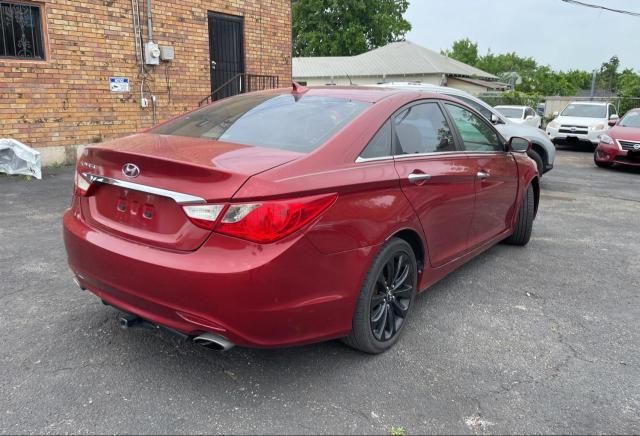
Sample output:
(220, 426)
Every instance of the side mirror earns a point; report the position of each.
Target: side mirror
(495, 119)
(555, 114)
(613, 119)
(519, 145)
(529, 117)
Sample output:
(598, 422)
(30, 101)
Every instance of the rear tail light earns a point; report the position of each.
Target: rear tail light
(81, 185)
(205, 215)
(262, 222)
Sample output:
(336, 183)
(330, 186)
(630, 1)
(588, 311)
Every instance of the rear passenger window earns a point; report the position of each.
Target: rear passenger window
(422, 128)
(475, 132)
(380, 144)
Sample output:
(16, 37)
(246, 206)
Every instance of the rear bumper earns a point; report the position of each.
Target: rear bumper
(287, 293)
(610, 153)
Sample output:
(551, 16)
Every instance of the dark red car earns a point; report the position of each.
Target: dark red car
(621, 143)
(294, 216)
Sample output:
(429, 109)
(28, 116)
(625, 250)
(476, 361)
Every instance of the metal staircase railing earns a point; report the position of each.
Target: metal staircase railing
(241, 83)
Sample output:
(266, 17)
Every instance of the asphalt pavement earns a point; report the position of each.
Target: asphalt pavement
(541, 339)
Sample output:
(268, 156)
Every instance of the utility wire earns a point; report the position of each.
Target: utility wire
(589, 5)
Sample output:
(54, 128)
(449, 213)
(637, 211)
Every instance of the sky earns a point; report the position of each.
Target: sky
(554, 33)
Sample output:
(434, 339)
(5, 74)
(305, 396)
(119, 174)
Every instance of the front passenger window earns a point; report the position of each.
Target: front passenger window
(422, 128)
(476, 134)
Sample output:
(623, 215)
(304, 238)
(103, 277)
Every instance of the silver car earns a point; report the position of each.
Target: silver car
(543, 152)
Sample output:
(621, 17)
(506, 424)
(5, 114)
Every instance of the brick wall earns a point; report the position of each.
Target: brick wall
(65, 100)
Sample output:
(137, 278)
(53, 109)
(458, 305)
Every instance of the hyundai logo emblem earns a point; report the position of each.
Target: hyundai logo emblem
(636, 146)
(130, 170)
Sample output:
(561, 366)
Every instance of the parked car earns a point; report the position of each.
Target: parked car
(282, 218)
(543, 152)
(582, 121)
(521, 115)
(621, 144)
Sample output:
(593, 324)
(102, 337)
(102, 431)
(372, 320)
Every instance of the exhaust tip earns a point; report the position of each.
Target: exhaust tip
(127, 321)
(77, 282)
(213, 342)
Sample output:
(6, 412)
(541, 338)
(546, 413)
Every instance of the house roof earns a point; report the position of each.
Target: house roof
(394, 59)
(499, 86)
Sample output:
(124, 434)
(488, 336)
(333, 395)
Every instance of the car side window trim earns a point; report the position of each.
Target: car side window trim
(393, 156)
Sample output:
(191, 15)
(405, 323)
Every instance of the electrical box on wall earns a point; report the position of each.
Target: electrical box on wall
(166, 53)
(151, 53)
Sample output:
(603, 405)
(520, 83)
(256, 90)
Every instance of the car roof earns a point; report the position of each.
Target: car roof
(591, 103)
(417, 86)
(362, 93)
(368, 94)
(511, 106)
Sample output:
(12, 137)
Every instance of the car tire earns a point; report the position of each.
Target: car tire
(381, 310)
(602, 164)
(538, 160)
(524, 224)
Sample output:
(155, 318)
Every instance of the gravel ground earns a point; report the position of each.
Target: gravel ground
(542, 339)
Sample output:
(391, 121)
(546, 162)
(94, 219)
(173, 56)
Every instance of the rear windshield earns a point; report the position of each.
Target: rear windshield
(284, 121)
(510, 112)
(585, 110)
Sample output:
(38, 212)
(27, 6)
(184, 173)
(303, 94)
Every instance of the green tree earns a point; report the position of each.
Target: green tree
(608, 75)
(463, 50)
(541, 79)
(504, 63)
(629, 90)
(346, 27)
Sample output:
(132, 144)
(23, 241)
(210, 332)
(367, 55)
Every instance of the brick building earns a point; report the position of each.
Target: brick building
(75, 72)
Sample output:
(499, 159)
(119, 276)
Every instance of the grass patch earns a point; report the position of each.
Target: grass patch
(397, 431)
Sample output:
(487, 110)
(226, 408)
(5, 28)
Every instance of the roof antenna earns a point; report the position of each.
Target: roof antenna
(298, 88)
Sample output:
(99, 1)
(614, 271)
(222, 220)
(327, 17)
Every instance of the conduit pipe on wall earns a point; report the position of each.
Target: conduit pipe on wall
(149, 21)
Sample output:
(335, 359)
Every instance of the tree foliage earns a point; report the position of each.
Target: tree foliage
(542, 80)
(463, 50)
(346, 27)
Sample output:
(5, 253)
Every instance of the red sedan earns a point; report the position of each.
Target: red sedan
(295, 216)
(621, 144)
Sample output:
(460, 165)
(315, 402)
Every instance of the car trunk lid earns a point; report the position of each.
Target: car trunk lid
(167, 172)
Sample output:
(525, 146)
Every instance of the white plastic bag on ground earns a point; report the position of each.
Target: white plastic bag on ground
(17, 158)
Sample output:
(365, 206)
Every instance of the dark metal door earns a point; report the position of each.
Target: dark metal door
(226, 55)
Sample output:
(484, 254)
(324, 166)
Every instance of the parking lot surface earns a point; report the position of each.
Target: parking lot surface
(541, 339)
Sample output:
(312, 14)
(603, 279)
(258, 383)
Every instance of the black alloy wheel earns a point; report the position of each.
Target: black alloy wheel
(391, 297)
(385, 299)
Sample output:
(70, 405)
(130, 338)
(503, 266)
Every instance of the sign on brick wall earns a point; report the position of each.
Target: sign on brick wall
(118, 84)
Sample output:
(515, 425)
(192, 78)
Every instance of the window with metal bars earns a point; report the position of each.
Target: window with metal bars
(20, 31)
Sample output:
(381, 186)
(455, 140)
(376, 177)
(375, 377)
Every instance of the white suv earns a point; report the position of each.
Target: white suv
(582, 121)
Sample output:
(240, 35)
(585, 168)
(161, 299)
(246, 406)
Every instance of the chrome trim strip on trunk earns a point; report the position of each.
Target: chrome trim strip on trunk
(178, 197)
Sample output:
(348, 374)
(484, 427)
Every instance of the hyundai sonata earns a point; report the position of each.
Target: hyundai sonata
(294, 216)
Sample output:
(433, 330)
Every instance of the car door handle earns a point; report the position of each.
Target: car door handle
(418, 177)
(482, 175)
